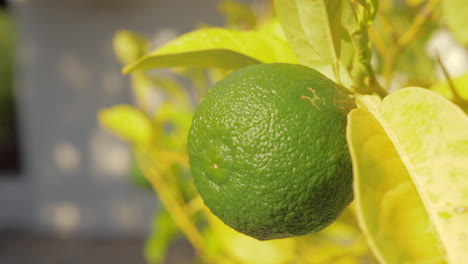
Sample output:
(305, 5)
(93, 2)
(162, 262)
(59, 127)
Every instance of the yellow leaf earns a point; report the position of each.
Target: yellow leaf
(128, 123)
(454, 12)
(216, 48)
(410, 162)
(129, 46)
(248, 250)
(460, 85)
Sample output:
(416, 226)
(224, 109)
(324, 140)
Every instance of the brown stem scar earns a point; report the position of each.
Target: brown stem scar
(314, 98)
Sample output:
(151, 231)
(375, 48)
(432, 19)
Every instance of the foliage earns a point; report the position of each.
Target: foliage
(408, 146)
(6, 68)
(9, 160)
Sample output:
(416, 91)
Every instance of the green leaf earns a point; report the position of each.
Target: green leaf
(238, 14)
(314, 31)
(460, 84)
(137, 177)
(174, 89)
(313, 28)
(129, 46)
(172, 124)
(217, 47)
(128, 123)
(164, 232)
(321, 21)
(454, 12)
(221, 58)
(410, 158)
(416, 3)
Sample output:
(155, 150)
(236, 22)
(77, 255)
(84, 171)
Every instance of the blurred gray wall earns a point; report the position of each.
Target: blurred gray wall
(74, 179)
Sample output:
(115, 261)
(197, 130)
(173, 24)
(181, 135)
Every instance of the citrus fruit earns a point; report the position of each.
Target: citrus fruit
(268, 151)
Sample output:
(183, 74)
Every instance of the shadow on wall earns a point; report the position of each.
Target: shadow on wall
(75, 178)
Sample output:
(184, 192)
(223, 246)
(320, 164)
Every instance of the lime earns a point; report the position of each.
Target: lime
(268, 151)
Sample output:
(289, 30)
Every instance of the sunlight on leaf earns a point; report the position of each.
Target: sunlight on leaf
(460, 84)
(217, 47)
(313, 29)
(410, 161)
(288, 15)
(321, 21)
(128, 123)
(454, 12)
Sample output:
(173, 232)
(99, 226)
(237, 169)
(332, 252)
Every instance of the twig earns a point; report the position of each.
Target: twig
(420, 19)
(409, 35)
(456, 96)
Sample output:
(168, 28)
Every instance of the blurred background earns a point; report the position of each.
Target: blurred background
(72, 192)
(65, 194)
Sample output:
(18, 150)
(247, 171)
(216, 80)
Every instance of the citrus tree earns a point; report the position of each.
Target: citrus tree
(314, 104)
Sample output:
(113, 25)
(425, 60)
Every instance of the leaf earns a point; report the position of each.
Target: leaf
(314, 31)
(221, 58)
(217, 47)
(247, 250)
(172, 124)
(415, 3)
(410, 162)
(137, 177)
(164, 232)
(313, 28)
(238, 14)
(174, 89)
(454, 12)
(129, 46)
(340, 242)
(460, 84)
(321, 21)
(128, 123)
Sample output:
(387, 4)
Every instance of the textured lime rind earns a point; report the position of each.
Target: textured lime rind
(268, 150)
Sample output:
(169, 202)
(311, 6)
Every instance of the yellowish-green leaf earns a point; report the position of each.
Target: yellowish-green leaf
(349, 52)
(128, 123)
(174, 89)
(410, 162)
(288, 15)
(219, 48)
(460, 84)
(239, 15)
(164, 232)
(414, 3)
(245, 249)
(454, 12)
(313, 29)
(129, 46)
(172, 126)
(313, 25)
(272, 27)
(321, 21)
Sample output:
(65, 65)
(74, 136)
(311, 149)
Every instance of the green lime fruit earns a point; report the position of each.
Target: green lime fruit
(268, 150)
